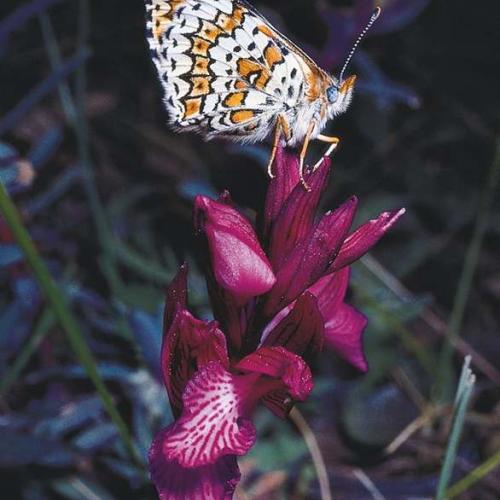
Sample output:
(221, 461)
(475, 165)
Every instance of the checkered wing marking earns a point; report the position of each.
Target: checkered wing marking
(224, 69)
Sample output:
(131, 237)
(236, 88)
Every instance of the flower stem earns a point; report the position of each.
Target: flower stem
(312, 444)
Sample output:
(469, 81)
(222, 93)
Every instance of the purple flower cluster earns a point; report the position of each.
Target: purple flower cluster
(278, 297)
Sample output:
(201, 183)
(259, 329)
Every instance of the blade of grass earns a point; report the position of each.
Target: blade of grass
(12, 118)
(474, 476)
(135, 261)
(46, 322)
(464, 392)
(408, 339)
(75, 113)
(82, 134)
(445, 378)
(43, 327)
(21, 15)
(64, 316)
(55, 58)
(114, 248)
(312, 444)
(431, 319)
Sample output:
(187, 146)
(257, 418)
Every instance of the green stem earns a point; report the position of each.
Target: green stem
(64, 316)
(464, 286)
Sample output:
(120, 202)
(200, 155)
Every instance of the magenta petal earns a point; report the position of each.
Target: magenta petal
(286, 177)
(309, 261)
(330, 290)
(366, 236)
(188, 345)
(296, 218)
(343, 334)
(290, 373)
(296, 379)
(301, 330)
(238, 262)
(174, 482)
(176, 296)
(227, 312)
(213, 422)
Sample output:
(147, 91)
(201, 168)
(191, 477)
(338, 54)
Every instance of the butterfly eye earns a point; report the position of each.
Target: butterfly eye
(332, 93)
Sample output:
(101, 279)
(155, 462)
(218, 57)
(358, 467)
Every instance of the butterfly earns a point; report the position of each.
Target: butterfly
(228, 73)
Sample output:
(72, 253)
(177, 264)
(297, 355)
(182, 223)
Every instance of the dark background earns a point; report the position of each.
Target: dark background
(421, 133)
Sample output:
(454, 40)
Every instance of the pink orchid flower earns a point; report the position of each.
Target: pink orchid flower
(278, 297)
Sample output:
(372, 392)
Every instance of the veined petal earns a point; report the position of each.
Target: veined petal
(344, 335)
(309, 261)
(174, 482)
(216, 405)
(301, 330)
(213, 423)
(188, 345)
(239, 264)
(365, 237)
(286, 177)
(296, 218)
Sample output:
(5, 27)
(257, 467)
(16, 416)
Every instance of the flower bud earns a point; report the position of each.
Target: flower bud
(238, 262)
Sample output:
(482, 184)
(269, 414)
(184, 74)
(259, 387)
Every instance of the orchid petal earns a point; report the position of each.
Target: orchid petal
(239, 264)
(212, 423)
(344, 335)
(286, 177)
(174, 482)
(227, 312)
(176, 296)
(365, 237)
(295, 379)
(216, 404)
(330, 290)
(301, 331)
(295, 220)
(308, 262)
(187, 345)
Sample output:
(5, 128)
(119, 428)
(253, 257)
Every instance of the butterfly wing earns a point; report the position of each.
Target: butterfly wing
(224, 69)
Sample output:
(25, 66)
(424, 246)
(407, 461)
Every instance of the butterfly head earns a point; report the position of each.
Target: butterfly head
(339, 95)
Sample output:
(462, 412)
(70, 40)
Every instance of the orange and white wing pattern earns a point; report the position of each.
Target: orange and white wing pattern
(225, 71)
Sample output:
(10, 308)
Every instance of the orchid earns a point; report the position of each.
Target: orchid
(278, 297)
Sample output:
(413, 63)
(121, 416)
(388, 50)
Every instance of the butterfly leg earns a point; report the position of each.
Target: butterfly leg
(303, 153)
(333, 141)
(282, 126)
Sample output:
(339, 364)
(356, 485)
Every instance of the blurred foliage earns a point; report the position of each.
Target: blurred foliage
(105, 190)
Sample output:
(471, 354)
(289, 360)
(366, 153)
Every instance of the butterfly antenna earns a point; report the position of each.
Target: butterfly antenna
(373, 18)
